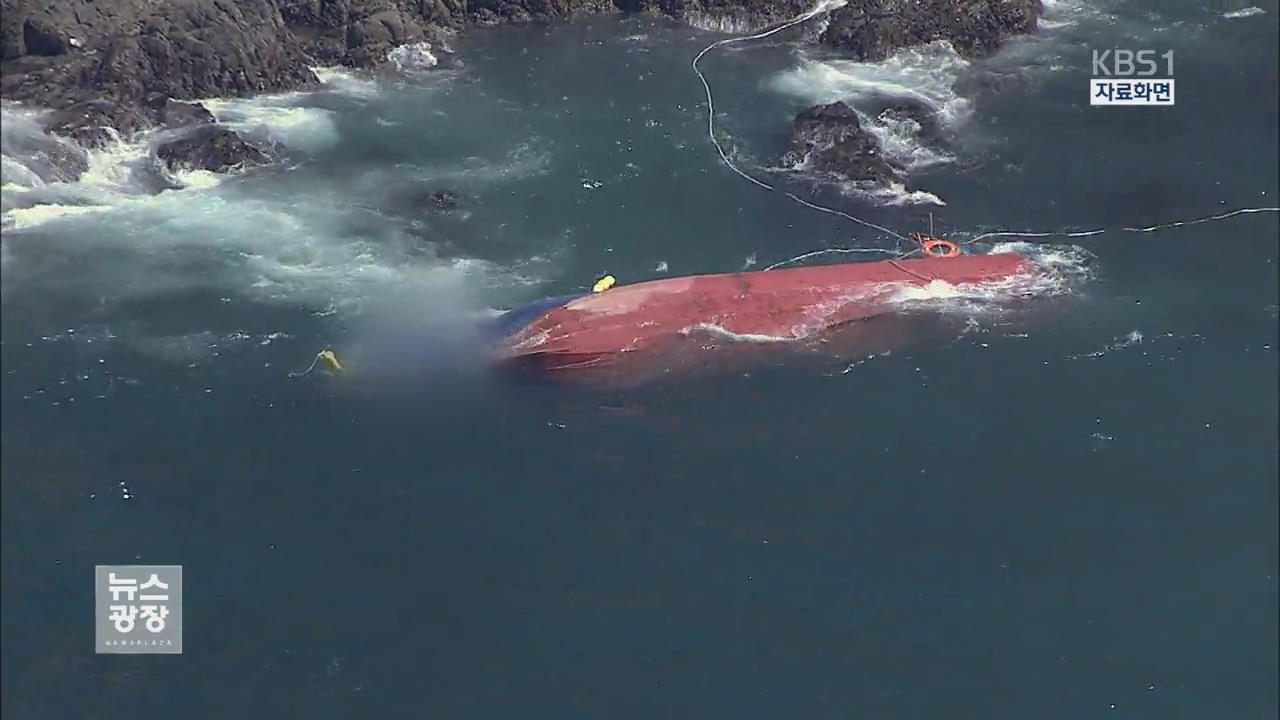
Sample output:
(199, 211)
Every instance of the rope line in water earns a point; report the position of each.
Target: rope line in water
(822, 7)
(1149, 229)
(1022, 234)
(1210, 218)
(816, 253)
(328, 356)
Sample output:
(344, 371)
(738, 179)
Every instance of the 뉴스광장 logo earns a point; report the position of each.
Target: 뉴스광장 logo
(1131, 77)
(138, 609)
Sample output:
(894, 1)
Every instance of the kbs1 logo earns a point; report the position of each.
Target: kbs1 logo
(1129, 77)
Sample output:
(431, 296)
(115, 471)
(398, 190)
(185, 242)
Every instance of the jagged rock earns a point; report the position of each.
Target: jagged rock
(126, 51)
(873, 29)
(171, 113)
(747, 13)
(131, 48)
(444, 200)
(95, 123)
(829, 139)
(41, 38)
(210, 147)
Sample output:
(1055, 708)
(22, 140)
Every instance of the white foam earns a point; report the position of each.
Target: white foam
(413, 59)
(726, 24)
(1135, 337)
(346, 82)
(1244, 12)
(23, 218)
(525, 159)
(111, 166)
(29, 156)
(1067, 259)
(15, 175)
(926, 74)
(277, 118)
(197, 179)
(899, 139)
(107, 182)
(895, 194)
(1060, 14)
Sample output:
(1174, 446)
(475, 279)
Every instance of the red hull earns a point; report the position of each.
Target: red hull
(777, 305)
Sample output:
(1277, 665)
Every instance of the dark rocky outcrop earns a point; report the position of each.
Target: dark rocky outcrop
(747, 13)
(40, 38)
(830, 140)
(872, 29)
(170, 113)
(58, 51)
(210, 147)
(110, 69)
(444, 200)
(102, 64)
(418, 201)
(94, 123)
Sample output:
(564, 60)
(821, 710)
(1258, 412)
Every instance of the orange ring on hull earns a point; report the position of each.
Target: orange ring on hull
(934, 247)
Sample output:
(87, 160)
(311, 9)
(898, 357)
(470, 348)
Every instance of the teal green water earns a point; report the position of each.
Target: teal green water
(1059, 506)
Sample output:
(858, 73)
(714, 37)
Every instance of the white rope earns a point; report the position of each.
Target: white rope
(815, 253)
(1099, 231)
(822, 7)
(314, 361)
(1210, 218)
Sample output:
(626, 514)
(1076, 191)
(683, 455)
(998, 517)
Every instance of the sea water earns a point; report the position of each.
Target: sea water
(1058, 505)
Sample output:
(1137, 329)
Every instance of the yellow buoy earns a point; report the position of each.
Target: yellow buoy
(604, 283)
(332, 359)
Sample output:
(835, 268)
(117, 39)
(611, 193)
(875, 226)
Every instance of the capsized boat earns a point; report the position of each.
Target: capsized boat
(593, 329)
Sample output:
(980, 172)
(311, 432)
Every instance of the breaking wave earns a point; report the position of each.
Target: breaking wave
(413, 59)
(277, 119)
(344, 81)
(112, 224)
(921, 80)
(1244, 12)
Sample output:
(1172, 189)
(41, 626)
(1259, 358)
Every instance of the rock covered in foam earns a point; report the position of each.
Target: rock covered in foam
(95, 123)
(418, 200)
(103, 63)
(444, 200)
(171, 113)
(915, 119)
(36, 154)
(210, 147)
(413, 59)
(830, 139)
